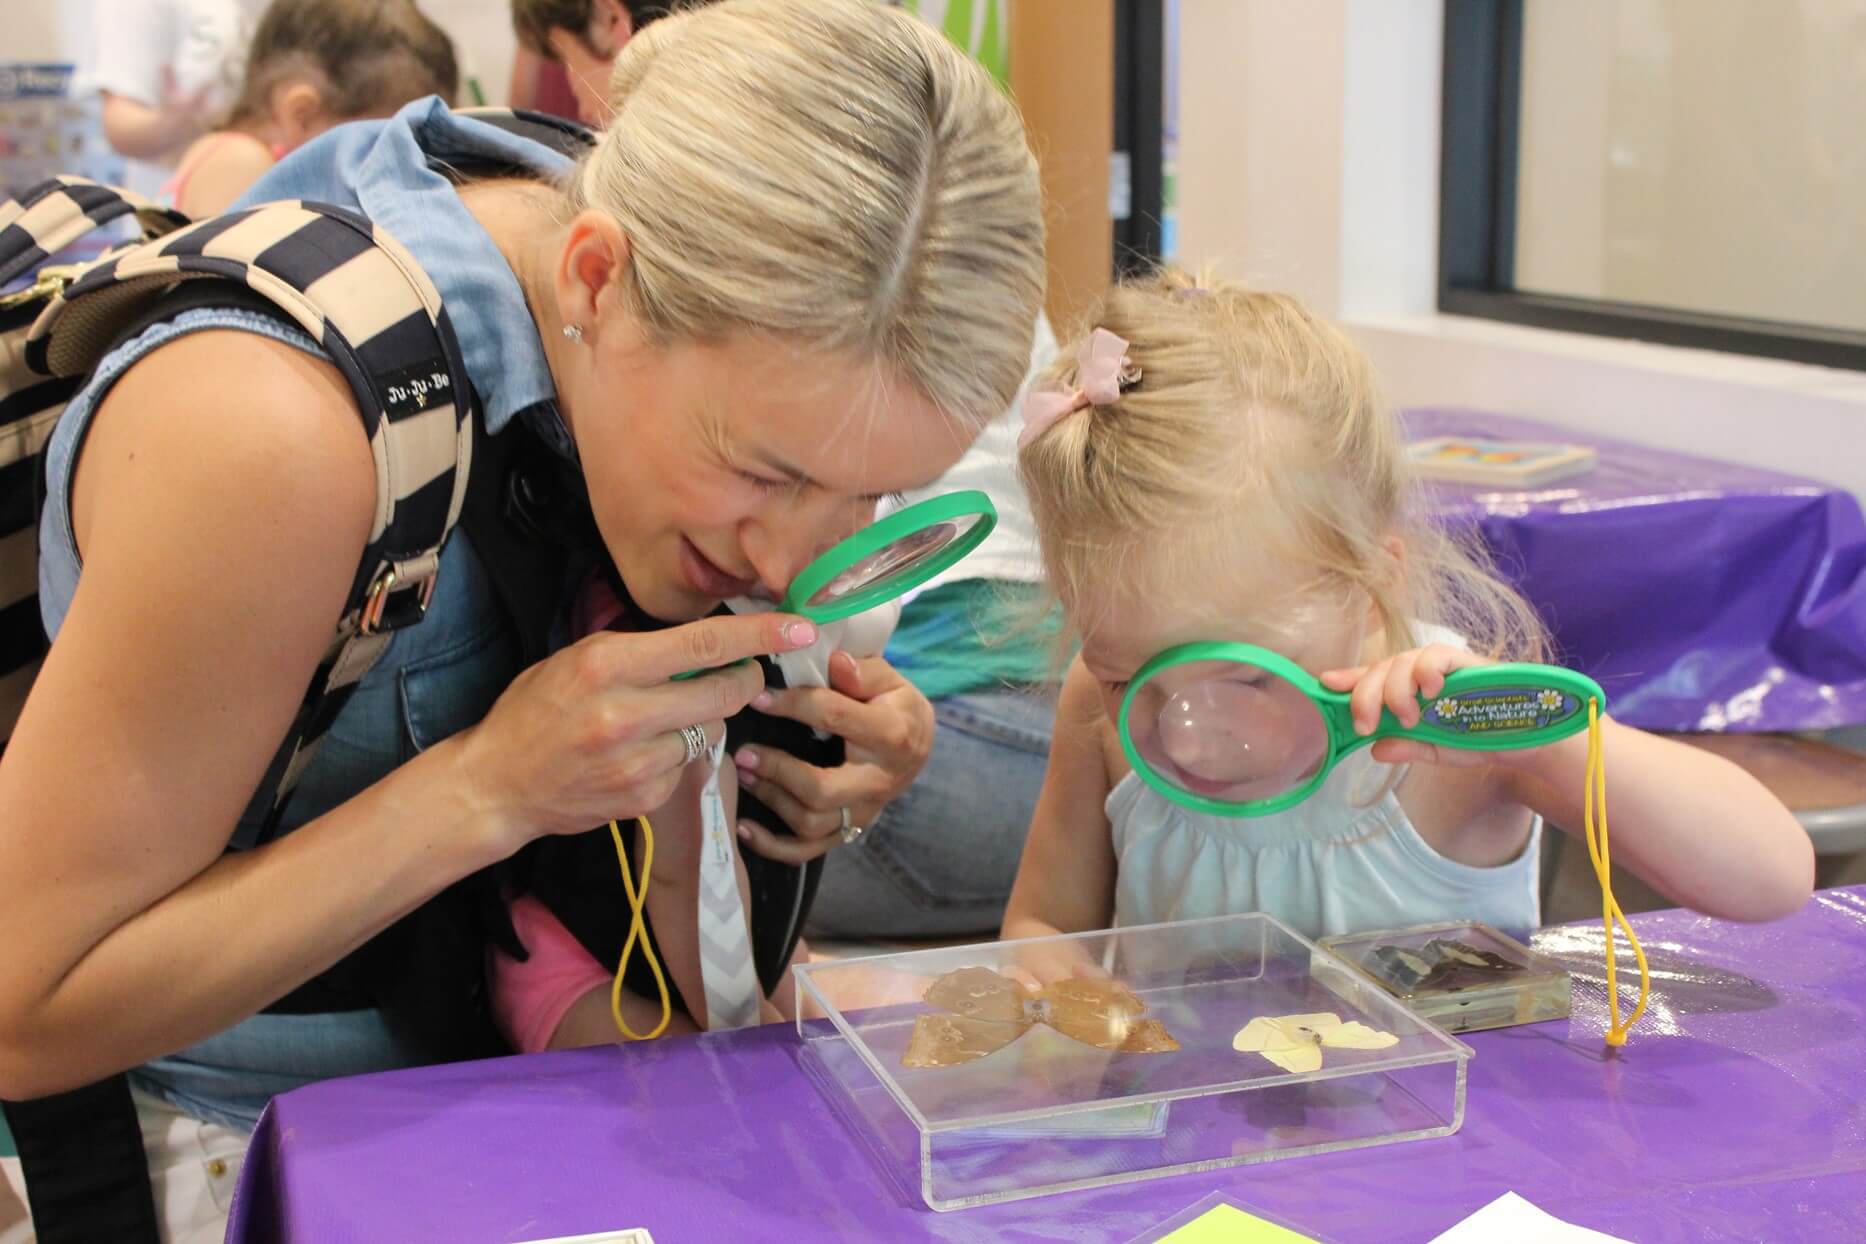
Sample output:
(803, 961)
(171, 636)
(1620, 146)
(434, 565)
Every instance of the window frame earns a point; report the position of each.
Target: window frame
(1479, 163)
(1140, 131)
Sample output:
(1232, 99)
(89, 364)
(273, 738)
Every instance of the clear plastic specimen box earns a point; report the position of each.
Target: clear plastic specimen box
(991, 1087)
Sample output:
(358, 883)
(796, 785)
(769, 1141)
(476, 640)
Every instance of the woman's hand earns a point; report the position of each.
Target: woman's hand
(592, 733)
(888, 728)
(1396, 684)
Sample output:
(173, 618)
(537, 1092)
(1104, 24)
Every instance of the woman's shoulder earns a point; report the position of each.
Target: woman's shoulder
(245, 423)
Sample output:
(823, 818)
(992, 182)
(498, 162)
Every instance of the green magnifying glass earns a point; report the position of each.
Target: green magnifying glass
(891, 557)
(1237, 730)
(888, 558)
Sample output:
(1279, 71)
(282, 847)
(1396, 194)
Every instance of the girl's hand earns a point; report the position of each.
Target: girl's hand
(888, 727)
(1396, 684)
(591, 733)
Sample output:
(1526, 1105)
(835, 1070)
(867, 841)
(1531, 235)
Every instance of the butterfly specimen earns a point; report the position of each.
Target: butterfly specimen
(1295, 1042)
(981, 1012)
(1442, 963)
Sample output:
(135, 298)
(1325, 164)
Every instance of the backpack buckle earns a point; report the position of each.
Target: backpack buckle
(50, 283)
(399, 596)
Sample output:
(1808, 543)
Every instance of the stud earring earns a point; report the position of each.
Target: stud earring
(574, 332)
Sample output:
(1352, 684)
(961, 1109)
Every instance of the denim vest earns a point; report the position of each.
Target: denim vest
(436, 678)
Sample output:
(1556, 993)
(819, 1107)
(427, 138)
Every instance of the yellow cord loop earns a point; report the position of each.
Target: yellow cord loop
(638, 932)
(1594, 818)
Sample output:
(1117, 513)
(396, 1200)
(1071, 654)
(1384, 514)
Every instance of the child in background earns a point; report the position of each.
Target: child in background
(1214, 465)
(314, 64)
(164, 68)
(585, 37)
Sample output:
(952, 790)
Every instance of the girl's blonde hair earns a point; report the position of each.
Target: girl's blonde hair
(1254, 427)
(833, 171)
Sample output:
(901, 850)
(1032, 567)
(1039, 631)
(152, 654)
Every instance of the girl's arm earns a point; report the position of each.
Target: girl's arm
(1692, 825)
(1065, 881)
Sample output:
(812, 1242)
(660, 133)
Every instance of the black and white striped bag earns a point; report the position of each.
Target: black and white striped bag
(351, 287)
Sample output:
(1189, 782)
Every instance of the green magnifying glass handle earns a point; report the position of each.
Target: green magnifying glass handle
(1493, 708)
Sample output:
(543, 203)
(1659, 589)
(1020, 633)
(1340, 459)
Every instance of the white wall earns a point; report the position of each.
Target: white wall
(1309, 162)
(44, 31)
(483, 42)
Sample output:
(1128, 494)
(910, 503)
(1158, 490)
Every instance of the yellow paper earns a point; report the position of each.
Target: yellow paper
(1227, 1224)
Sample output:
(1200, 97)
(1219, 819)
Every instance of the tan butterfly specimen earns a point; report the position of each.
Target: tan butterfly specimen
(1295, 1042)
(981, 1012)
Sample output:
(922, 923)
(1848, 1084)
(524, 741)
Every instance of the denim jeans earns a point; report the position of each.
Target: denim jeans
(941, 859)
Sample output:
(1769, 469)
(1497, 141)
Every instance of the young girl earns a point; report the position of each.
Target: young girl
(313, 64)
(1213, 465)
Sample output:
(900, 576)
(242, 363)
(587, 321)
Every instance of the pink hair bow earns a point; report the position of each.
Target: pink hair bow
(1102, 371)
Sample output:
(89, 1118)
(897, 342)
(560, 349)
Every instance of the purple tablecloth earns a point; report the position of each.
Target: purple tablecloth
(1702, 595)
(1737, 1112)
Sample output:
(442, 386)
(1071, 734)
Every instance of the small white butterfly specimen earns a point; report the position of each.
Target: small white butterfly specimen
(1295, 1042)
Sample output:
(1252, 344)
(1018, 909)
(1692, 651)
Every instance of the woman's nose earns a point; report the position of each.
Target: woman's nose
(780, 547)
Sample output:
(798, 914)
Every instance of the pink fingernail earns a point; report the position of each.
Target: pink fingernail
(762, 700)
(800, 634)
(746, 758)
(747, 778)
(745, 832)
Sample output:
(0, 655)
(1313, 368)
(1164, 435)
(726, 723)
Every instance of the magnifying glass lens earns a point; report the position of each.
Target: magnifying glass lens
(1227, 731)
(896, 560)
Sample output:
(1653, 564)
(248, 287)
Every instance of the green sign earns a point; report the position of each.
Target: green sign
(980, 27)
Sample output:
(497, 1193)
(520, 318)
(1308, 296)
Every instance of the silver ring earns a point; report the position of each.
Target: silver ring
(851, 833)
(695, 739)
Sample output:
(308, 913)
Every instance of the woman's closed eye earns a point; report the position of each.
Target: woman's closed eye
(763, 483)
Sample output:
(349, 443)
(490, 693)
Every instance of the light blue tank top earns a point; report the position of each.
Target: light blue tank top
(1346, 860)
(435, 679)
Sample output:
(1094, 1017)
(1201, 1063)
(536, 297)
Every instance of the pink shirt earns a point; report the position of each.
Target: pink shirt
(530, 999)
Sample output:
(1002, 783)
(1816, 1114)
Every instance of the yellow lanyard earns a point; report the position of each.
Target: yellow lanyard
(638, 932)
(1594, 819)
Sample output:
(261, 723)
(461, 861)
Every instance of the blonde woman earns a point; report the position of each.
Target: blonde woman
(797, 274)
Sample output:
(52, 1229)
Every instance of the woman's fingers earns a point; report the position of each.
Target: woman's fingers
(783, 849)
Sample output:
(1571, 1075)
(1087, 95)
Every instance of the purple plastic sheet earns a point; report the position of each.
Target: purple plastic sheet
(1737, 1112)
(1701, 595)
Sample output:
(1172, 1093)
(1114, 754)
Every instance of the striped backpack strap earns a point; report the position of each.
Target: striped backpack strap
(35, 228)
(571, 138)
(364, 299)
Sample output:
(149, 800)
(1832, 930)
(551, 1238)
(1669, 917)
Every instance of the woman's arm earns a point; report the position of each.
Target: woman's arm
(215, 567)
(219, 548)
(1065, 881)
(149, 132)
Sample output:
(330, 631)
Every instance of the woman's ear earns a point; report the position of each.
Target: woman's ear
(590, 270)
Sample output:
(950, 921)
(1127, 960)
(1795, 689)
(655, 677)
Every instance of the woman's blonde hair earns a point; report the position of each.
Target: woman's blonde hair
(1254, 427)
(833, 171)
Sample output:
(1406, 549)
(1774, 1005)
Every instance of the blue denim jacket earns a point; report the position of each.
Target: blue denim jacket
(436, 678)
